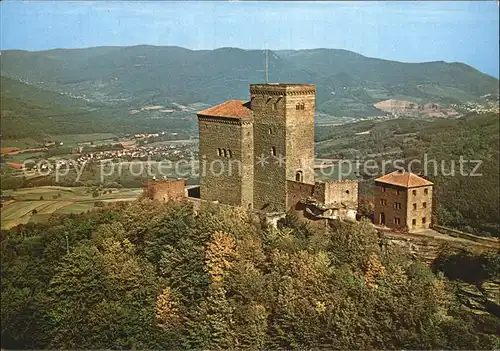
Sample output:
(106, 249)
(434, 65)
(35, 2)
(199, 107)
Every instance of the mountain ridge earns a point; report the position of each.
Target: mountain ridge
(348, 84)
(283, 51)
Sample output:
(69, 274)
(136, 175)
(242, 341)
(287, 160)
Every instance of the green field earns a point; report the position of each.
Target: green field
(53, 199)
(67, 139)
(22, 143)
(25, 156)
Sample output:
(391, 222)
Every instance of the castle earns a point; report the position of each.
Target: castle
(260, 155)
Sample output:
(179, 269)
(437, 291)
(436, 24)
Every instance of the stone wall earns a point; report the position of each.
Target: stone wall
(165, 190)
(283, 128)
(298, 191)
(419, 208)
(495, 242)
(269, 134)
(311, 199)
(247, 159)
(386, 212)
(226, 169)
(337, 191)
(300, 107)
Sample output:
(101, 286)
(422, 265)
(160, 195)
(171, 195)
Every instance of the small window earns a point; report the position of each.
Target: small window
(426, 191)
(275, 106)
(273, 151)
(302, 106)
(224, 152)
(299, 176)
(219, 152)
(397, 220)
(229, 153)
(397, 191)
(297, 107)
(414, 193)
(414, 206)
(347, 192)
(424, 204)
(424, 220)
(383, 189)
(383, 202)
(270, 131)
(414, 222)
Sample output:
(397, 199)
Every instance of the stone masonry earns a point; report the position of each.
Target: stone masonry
(403, 200)
(271, 138)
(226, 159)
(283, 128)
(165, 190)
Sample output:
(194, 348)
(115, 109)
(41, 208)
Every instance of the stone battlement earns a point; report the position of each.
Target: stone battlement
(283, 89)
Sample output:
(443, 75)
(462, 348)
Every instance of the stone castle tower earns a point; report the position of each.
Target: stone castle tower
(259, 145)
(283, 130)
(260, 155)
(226, 154)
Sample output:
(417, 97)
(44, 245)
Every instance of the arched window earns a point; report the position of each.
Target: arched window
(347, 191)
(224, 152)
(229, 153)
(297, 107)
(219, 152)
(273, 151)
(302, 106)
(299, 176)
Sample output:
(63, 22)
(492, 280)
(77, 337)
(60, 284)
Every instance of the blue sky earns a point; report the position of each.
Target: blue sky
(404, 31)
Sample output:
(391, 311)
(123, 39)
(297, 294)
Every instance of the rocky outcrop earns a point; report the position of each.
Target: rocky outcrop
(402, 108)
(481, 300)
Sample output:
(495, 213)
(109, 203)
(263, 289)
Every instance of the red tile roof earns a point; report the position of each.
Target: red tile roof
(404, 179)
(230, 108)
(15, 165)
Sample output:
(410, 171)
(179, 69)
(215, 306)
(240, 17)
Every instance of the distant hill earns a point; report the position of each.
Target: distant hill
(348, 84)
(29, 111)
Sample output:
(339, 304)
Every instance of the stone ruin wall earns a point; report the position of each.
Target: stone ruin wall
(166, 190)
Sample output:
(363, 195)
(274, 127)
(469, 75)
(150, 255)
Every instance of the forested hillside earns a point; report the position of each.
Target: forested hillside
(32, 112)
(147, 275)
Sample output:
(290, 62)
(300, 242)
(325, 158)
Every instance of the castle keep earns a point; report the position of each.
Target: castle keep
(260, 154)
